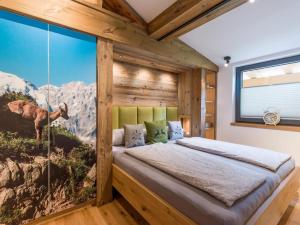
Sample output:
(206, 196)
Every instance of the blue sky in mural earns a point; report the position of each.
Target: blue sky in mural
(23, 51)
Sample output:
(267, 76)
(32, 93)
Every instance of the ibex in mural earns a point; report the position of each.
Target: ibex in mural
(29, 110)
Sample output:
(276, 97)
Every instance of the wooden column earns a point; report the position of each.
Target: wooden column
(184, 93)
(104, 120)
(196, 102)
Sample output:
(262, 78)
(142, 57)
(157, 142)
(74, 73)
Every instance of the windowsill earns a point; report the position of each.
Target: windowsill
(263, 126)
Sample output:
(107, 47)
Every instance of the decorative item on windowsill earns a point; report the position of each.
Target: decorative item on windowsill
(271, 117)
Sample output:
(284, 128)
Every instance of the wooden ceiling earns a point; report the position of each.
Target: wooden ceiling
(178, 19)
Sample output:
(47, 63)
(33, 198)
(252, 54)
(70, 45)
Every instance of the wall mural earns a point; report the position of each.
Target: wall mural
(47, 118)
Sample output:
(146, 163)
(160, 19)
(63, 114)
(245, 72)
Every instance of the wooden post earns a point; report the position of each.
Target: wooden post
(104, 120)
(196, 102)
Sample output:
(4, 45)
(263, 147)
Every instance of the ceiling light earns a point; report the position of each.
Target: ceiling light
(227, 61)
(251, 1)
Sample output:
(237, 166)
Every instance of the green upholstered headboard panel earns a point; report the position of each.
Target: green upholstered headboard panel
(144, 114)
(172, 114)
(127, 115)
(159, 113)
(138, 114)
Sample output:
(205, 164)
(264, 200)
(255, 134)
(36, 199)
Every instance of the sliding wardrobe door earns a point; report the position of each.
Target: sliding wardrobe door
(47, 119)
(23, 153)
(72, 101)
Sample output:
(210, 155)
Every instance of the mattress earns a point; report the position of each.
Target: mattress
(196, 204)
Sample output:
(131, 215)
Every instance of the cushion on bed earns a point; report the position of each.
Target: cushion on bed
(145, 114)
(175, 130)
(134, 135)
(156, 132)
(118, 138)
(127, 115)
(172, 113)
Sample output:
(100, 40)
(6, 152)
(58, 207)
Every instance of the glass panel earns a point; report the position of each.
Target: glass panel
(73, 96)
(275, 88)
(23, 115)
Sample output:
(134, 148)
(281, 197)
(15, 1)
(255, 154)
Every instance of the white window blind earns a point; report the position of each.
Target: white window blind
(284, 98)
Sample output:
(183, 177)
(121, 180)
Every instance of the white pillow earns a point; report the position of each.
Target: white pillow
(175, 130)
(118, 137)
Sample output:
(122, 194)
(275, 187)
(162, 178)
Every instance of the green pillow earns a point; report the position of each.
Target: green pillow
(156, 131)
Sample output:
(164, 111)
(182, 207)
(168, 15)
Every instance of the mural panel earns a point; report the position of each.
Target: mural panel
(47, 118)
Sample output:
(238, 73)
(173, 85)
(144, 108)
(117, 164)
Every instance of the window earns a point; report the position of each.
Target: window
(272, 86)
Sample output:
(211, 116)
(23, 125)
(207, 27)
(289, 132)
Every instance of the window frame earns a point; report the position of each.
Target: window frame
(238, 88)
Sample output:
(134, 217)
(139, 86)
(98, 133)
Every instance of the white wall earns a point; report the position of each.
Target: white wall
(284, 141)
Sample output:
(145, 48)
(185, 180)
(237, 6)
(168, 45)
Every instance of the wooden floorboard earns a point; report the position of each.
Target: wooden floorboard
(292, 214)
(120, 213)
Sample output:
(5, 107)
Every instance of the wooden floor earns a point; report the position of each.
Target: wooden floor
(119, 213)
(110, 214)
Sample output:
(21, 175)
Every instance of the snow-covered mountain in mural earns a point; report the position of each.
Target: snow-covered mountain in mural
(79, 97)
(81, 101)
(12, 83)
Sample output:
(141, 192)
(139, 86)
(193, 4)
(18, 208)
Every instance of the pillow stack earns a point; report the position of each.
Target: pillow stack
(155, 132)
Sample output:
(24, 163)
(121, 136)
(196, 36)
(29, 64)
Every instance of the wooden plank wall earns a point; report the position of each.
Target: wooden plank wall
(138, 85)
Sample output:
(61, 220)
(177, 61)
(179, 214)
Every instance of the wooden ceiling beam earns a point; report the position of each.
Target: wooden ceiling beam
(186, 15)
(125, 55)
(91, 3)
(122, 8)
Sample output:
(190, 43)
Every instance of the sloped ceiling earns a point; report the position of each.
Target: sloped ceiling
(249, 31)
(149, 9)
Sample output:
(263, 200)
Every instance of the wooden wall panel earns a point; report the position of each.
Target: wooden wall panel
(104, 121)
(138, 85)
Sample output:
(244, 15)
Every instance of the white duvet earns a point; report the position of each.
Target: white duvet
(221, 179)
(258, 156)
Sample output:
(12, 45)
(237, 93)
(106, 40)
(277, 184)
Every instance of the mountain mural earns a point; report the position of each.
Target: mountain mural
(12, 83)
(25, 193)
(79, 97)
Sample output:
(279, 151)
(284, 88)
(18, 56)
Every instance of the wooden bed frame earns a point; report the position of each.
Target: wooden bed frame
(156, 211)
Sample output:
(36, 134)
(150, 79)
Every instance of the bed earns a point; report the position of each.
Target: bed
(163, 199)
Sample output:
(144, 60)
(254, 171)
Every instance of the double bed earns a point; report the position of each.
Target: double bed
(173, 197)
(194, 206)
